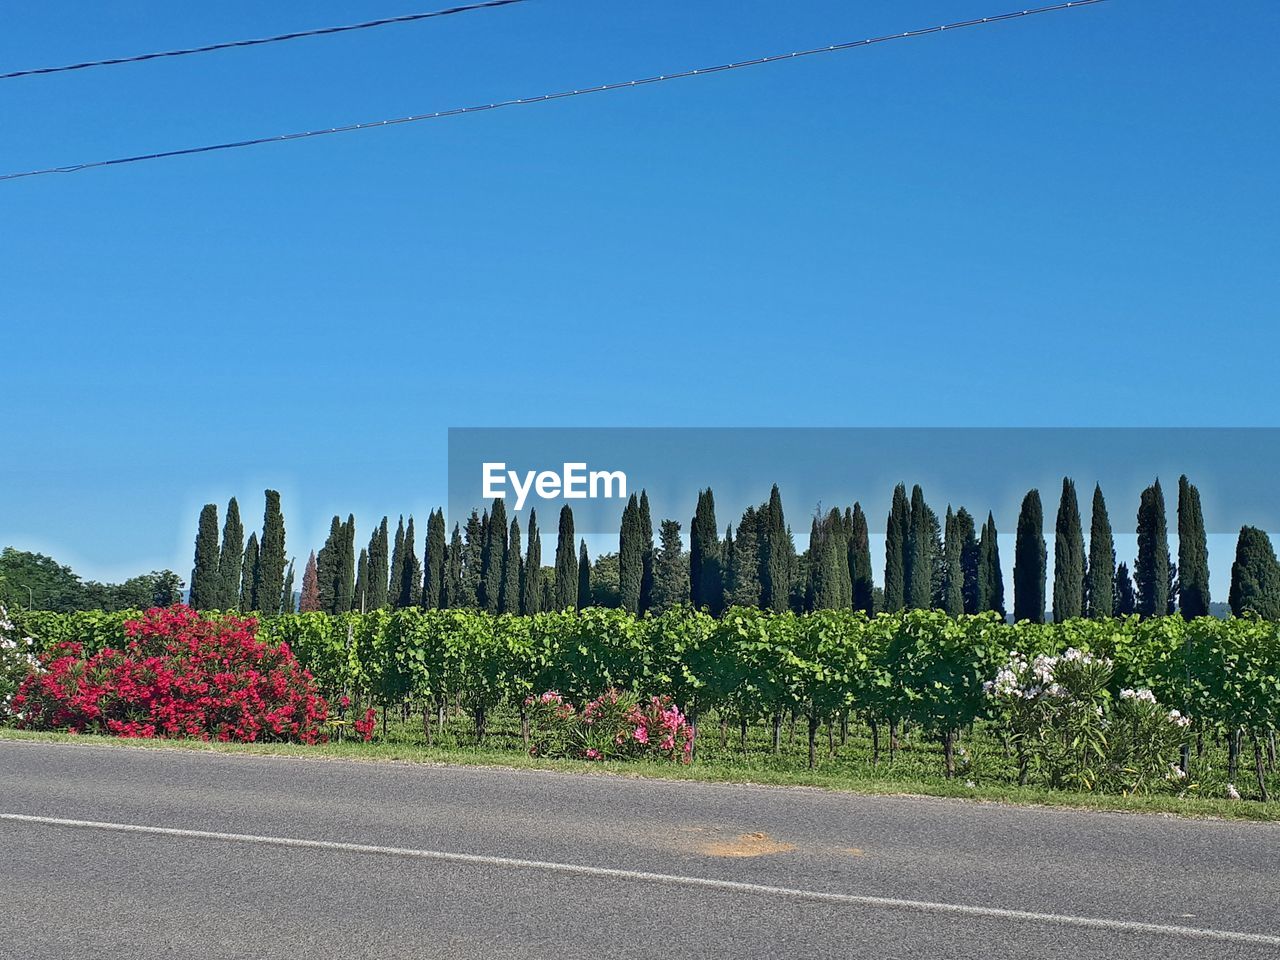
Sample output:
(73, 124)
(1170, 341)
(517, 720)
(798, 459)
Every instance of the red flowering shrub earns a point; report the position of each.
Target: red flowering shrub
(179, 675)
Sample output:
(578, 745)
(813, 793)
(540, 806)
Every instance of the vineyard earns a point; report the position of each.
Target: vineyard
(1126, 705)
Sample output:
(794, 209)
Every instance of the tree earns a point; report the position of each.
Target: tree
(327, 563)
(1255, 576)
(453, 584)
(286, 596)
(206, 583)
(472, 553)
(740, 562)
(897, 532)
(250, 573)
(362, 582)
(271, 555)
(670, 569)
(777, 556)
(509, 598)
(1030, 557)
(586, 596)
(531, 572)
(379, 579)
(230, 558)
(395, 574)
(433, 577)
(918, 569)
(493, 557)
(1126, 601)
(630, 558)
(967, 534)
(990, 573)
(310, 599)
(1101, 577)
(706, 584)
(344, 590)
(646, 553)
(160, 588)
(953, 569)
(410, 591)
(829, 586)
(1193, 553)
(1151, 569)
(566, 577)
(861, 579)
(1068, 557)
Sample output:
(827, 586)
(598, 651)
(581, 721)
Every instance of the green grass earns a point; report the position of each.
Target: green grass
(916, 770)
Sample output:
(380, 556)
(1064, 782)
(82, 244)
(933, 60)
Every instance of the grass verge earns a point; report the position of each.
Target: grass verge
(742, 771)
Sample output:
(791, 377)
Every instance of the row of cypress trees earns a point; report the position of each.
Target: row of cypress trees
(240, 575)
(950, 565)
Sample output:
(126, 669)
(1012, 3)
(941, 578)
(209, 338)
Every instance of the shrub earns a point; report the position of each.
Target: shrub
(613, 726)
(179, 674)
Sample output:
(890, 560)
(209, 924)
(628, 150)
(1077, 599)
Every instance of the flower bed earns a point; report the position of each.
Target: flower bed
(613, 726)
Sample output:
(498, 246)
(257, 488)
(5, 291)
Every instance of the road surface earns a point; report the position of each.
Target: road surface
(166, 853)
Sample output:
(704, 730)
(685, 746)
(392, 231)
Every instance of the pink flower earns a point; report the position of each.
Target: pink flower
(593, 754)
(642, 735)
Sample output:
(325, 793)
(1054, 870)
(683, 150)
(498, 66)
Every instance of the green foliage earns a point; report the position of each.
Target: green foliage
(271, 557)
(1030, 558)
(1255, 576)
(250, 575)
(897, 533)
(1100, 581)
(1151, 569)
(566, 576)
(1193, 553)
(630, 558)
(206, 585)
(1068, 557)
(706, 576)
(670, 570)
(229, 558)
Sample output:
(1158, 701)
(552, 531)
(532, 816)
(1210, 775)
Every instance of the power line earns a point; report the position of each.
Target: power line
(561, 95)
(232, 44)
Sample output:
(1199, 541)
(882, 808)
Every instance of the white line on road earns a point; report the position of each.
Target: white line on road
(733, 886)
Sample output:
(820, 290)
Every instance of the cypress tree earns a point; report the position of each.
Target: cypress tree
(310, 599)
(548, 588)
(1030, 557)
(250, 571)
(206, 584)
(953, 569)
(1125, 600)
(493, 557)
(230, 558)
(509, 598)
(395, 576)
(828, 575)
(361, 600)
(344, 590)
(630, 558)
(742, 563)
(670, 571)
(1068, 557)
(453, 586)
(271, 555)
(379, 574)
(411, 577)
(1255, 576)
(646, 553)
(1102, 560)
(433, 589)
(861, 580)
(1193, 553)
(327, 564)
(531, 572)
(584, 578)
(918, 569)
(706, 581)
(1151, 569)
(970, 592)
(286, 597)
(566, 576)
(472, 568)
(897, 533)
(990, 573)
(777, 556)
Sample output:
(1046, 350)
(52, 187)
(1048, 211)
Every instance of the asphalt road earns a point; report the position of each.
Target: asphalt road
(150, 853)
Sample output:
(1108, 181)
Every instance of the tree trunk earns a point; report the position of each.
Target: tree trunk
(844, 728)
(875, 742)
(893, 740)
(384, 719)
(949, 754)
(426, 721)
(524, 725)
(1233, 757)
(831, 738)
(742, 737)
(1258, 767)
(777, 732)
(813, 737)
(791, 734)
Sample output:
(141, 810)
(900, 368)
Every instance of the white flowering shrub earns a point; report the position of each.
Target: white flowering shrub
(17, 658)
(1065, 726)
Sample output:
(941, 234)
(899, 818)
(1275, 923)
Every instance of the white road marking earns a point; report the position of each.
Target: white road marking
(732, 886)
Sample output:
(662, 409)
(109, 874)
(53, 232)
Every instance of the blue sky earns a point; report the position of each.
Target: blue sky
(1067, 220)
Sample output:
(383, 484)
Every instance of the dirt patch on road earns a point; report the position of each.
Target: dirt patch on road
(746, 845)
